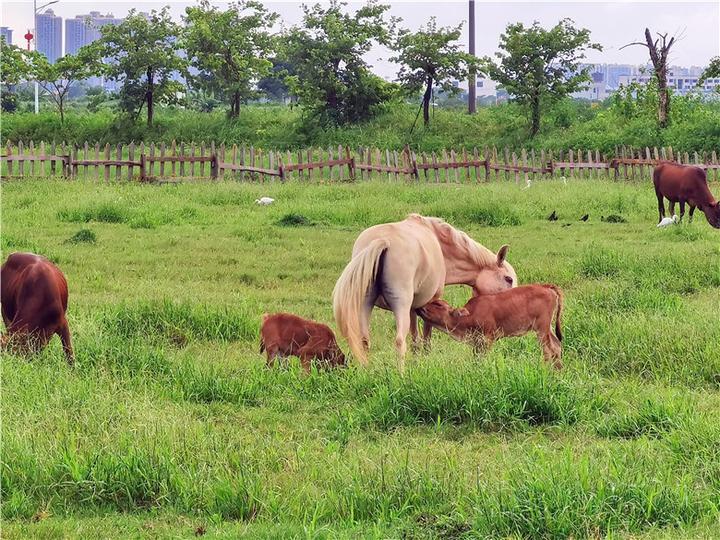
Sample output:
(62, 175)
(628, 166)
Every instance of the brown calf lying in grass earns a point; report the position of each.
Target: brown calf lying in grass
(514, 312)
(284, 334)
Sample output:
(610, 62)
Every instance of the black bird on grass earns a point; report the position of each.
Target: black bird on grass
(553, 216)
(585, 217)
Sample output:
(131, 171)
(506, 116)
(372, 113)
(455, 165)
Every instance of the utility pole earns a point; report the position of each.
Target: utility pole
(471, 49)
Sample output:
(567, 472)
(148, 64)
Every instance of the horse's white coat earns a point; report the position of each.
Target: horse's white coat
(420, 255)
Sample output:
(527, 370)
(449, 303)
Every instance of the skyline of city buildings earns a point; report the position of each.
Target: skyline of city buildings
(605, 78)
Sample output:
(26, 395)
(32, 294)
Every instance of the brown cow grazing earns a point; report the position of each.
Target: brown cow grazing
(685, 184)
(284, 334)
(513, 312)
(34, 301)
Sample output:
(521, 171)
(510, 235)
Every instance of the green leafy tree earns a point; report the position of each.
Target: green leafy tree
(429, 58)
(230, 48)
(331, 80)
(15, 66)
(538, 66)
(59, 78)
(711, 72)
(142, 54)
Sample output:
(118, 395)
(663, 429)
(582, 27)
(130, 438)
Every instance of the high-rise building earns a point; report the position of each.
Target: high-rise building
(48, 34)
(7, 34)
(85, 29)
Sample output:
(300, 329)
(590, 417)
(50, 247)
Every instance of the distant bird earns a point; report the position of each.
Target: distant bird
(528, 183)
(264, 201)
(585, 217)
(564, 180)
(553, 216)
(668, 221)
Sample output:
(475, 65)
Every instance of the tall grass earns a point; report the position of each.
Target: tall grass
(171, 421)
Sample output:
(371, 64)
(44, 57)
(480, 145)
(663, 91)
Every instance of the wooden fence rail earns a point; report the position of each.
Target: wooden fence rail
(186, 162)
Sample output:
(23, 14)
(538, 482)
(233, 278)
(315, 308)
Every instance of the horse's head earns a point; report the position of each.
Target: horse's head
(496, 277)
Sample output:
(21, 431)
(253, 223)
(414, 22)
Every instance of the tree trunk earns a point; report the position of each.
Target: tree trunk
(535, 105)
(426, 101)
(149, 95)
(235, 105)
(659, 57)
(61, 106)
(663, 98)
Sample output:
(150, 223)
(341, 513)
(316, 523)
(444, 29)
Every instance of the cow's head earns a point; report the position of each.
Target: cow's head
(712, 214)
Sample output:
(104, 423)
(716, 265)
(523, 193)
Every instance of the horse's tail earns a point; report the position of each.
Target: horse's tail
(350, 291)
(558, 310)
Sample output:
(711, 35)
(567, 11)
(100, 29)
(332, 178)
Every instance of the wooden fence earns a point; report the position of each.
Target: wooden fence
(183, 162)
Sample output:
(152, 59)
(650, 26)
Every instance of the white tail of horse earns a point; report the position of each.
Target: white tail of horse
(349, 296)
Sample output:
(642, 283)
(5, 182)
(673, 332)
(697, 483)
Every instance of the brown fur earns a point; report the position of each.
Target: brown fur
(284, 334)
(685, 184)
(514, 312)
(34, 301)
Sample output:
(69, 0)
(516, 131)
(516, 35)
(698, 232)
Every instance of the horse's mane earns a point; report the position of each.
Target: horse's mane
(479, 254)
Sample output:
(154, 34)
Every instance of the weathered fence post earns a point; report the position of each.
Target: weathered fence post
(143, 175)
(351, 163)
(412, 163)
(214, 166)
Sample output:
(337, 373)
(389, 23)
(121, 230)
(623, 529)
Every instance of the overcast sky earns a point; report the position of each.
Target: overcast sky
(612, 24)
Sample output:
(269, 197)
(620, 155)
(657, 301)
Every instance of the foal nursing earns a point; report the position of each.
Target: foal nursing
(514, 312)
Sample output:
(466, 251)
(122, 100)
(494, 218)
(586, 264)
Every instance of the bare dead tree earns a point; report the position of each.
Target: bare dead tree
(659, 57)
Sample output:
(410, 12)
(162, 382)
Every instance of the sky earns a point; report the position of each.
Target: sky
(612, 24)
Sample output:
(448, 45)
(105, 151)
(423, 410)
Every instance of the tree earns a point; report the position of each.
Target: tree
(15, 66)
(230, 48)
(538, 66)
(142, 53)
(273, 85)
(431, 57)
(331, 80)
(659, 58)
(711, 72)
(58, 79)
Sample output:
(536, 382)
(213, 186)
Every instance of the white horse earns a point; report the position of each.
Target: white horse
(404, 265)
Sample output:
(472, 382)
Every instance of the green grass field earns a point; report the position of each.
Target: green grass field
(171, 426)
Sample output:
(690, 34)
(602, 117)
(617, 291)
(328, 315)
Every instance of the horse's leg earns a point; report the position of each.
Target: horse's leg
(400, 301)
(402, 322)
(682, 209)
(692, 211)
(671, 207)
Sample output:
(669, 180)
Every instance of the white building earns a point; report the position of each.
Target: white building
(680, 84)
